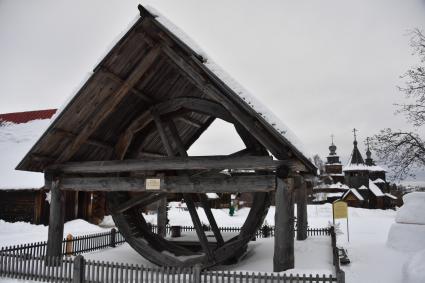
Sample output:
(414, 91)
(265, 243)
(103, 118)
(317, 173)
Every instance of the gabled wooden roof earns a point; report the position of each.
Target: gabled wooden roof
(150, 70)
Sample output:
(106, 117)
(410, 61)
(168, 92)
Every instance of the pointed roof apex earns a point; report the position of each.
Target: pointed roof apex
(332, 147)
(356, 157)
(369, 160)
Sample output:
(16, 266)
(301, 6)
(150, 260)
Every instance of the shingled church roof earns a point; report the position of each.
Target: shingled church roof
(155, 68)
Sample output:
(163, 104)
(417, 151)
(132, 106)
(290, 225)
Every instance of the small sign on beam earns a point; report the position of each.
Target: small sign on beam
(153, 184)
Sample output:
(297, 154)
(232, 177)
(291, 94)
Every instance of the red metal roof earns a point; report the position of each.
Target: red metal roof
(24, 117)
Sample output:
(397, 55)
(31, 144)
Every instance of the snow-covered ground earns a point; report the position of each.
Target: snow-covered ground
(371, 259)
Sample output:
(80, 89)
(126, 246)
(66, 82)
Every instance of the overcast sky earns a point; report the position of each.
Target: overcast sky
(323, 67)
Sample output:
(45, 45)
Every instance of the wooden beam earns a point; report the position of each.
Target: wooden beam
(195, 104)
(163, 135)
(119, 80)
(139, 201)
(171, 163)
(190, 121)
(161, 217)
(95, 142)
(126, 137)
(174, 184)
(283, 258)
(203, 240)
(151, 154)
(211, 219)
(107, 108)
(56, 217)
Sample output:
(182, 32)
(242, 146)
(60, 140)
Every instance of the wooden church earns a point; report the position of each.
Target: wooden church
(361, 183)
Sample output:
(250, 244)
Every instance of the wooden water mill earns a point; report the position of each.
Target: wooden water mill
(126, 133)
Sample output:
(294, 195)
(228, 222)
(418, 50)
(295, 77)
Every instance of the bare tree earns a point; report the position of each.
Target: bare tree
(401, 150)
(319, 163)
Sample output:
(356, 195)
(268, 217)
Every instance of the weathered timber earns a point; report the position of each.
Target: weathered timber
(90, 141)
(190, 121)
(203, 240)
(126, 137)
(116, 78)
(201, 105)
(301, 198)
(139, 201)
(151, 154)
(162, 217)
(283, 258)
(107, 108)
(56, 218)
(174, 184)
(163, 135)
(211, 220)
(171, 163)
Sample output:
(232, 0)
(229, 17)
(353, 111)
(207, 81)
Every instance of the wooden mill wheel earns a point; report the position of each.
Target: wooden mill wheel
(126, 209)
(164, 251)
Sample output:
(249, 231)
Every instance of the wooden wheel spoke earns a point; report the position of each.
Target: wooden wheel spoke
(203, 240)
(141, 201)
(211, 220)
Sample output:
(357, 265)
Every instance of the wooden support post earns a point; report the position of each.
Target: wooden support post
(56, 217)
(162, 217)
(301, 197)
(283, 258)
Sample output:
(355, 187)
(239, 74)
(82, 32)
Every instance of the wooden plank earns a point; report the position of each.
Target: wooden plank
(301, 198)
(203, 240)
(95, 142)
(283, 258)
(140, 201)
(107, 108)
(162, 133)
(171, 163)
(200, 105)
(211, 220)
(162, 217)
(174, 184)
(56, 217)
(190, 121)
(126, 137)
(119, 80)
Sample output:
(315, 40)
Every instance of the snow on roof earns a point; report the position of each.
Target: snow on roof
(379, 181)
(212, 196)
(390, 196)
(355, 192)
(363, 187)
(332, 186)
(330, 195)
(15, 142)
(243, 93)
(363, 167)
(374, 189)
(324, 196)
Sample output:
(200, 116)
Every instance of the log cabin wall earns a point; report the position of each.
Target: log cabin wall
(20, 205)
(31, 206)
